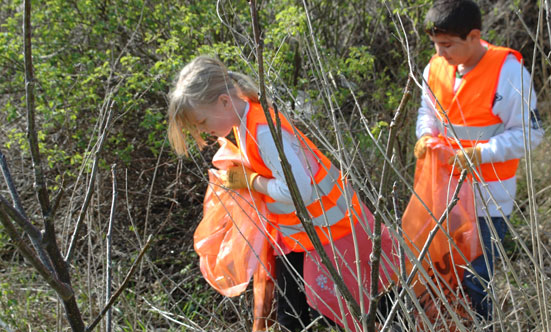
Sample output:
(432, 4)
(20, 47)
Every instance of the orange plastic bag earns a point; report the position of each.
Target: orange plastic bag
(320, 288)
(231, 239)
(435, 186)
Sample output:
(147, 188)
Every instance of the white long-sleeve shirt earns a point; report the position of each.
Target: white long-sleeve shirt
(303, 163)
(514, 108)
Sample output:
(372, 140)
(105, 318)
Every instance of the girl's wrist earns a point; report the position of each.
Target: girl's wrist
(260, 184)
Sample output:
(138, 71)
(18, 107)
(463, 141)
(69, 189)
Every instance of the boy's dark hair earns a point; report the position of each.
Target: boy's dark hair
(453, 17)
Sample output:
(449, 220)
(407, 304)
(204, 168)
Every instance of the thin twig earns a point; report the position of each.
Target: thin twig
(401, 252)
(11, 187)
(541, 280)
(121, 288)
(108, 276)
(90, 189)
(534, 38)
(425, 248)
(376, 251)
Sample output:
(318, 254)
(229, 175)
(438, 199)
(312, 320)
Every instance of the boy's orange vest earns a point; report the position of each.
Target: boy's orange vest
(334, 210)
(469, 110)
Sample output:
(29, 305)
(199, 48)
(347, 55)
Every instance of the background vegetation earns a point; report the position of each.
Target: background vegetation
(329, 63)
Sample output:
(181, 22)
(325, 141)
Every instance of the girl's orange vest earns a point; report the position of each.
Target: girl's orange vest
(332, 213)
(469, 110)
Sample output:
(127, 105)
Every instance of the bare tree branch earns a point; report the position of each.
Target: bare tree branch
(21, 220)
(50, 243)
(40, 182)
(62, 285)
(302, 213)
(11, 187)
(61, 288)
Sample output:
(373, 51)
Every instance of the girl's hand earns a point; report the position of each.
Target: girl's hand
(238, 177)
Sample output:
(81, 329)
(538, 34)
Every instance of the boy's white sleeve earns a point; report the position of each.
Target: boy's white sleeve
(427, 123)
(515, 105)
(277, 187)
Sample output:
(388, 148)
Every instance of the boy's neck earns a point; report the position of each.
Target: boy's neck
(478, 52)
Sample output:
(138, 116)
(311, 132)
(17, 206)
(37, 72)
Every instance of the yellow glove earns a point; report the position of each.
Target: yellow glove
(238, 177)
(421, 147)
(459, 160)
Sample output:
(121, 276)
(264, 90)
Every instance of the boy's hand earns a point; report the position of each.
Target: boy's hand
(459, 160)
(238, 177)
(421, 147)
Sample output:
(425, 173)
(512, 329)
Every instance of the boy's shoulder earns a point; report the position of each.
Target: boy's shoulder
(513, 69)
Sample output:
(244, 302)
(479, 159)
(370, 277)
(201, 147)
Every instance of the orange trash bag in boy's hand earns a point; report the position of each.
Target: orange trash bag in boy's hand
(435, 186)
(231, 238)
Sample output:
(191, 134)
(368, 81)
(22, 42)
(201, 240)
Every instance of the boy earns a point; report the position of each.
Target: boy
(477, 97)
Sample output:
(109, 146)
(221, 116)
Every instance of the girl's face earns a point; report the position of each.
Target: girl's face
(216, 119)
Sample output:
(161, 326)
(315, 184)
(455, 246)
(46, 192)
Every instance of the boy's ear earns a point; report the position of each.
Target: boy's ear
(475, 34)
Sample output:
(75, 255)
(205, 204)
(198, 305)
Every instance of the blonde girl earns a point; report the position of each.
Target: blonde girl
(207, 98)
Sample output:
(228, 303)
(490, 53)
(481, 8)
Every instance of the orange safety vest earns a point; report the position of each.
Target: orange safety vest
(469, 110)
(332, 210)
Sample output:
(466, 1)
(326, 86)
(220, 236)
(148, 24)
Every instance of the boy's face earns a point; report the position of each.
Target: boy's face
(455, 50)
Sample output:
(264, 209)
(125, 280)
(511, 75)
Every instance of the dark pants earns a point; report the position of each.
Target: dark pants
(476, 286)
(292, 308)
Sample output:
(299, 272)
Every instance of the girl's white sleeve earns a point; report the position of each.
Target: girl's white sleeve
(277, 187)
(427, 122)
(515, 105)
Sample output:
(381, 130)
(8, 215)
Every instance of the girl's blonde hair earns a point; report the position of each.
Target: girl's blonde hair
(201, 82)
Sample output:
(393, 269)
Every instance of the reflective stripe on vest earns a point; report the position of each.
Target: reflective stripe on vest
(327, 218)
(330, 212)
(321, 215)
(469, 109)
(324, 187)
(471, 133)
